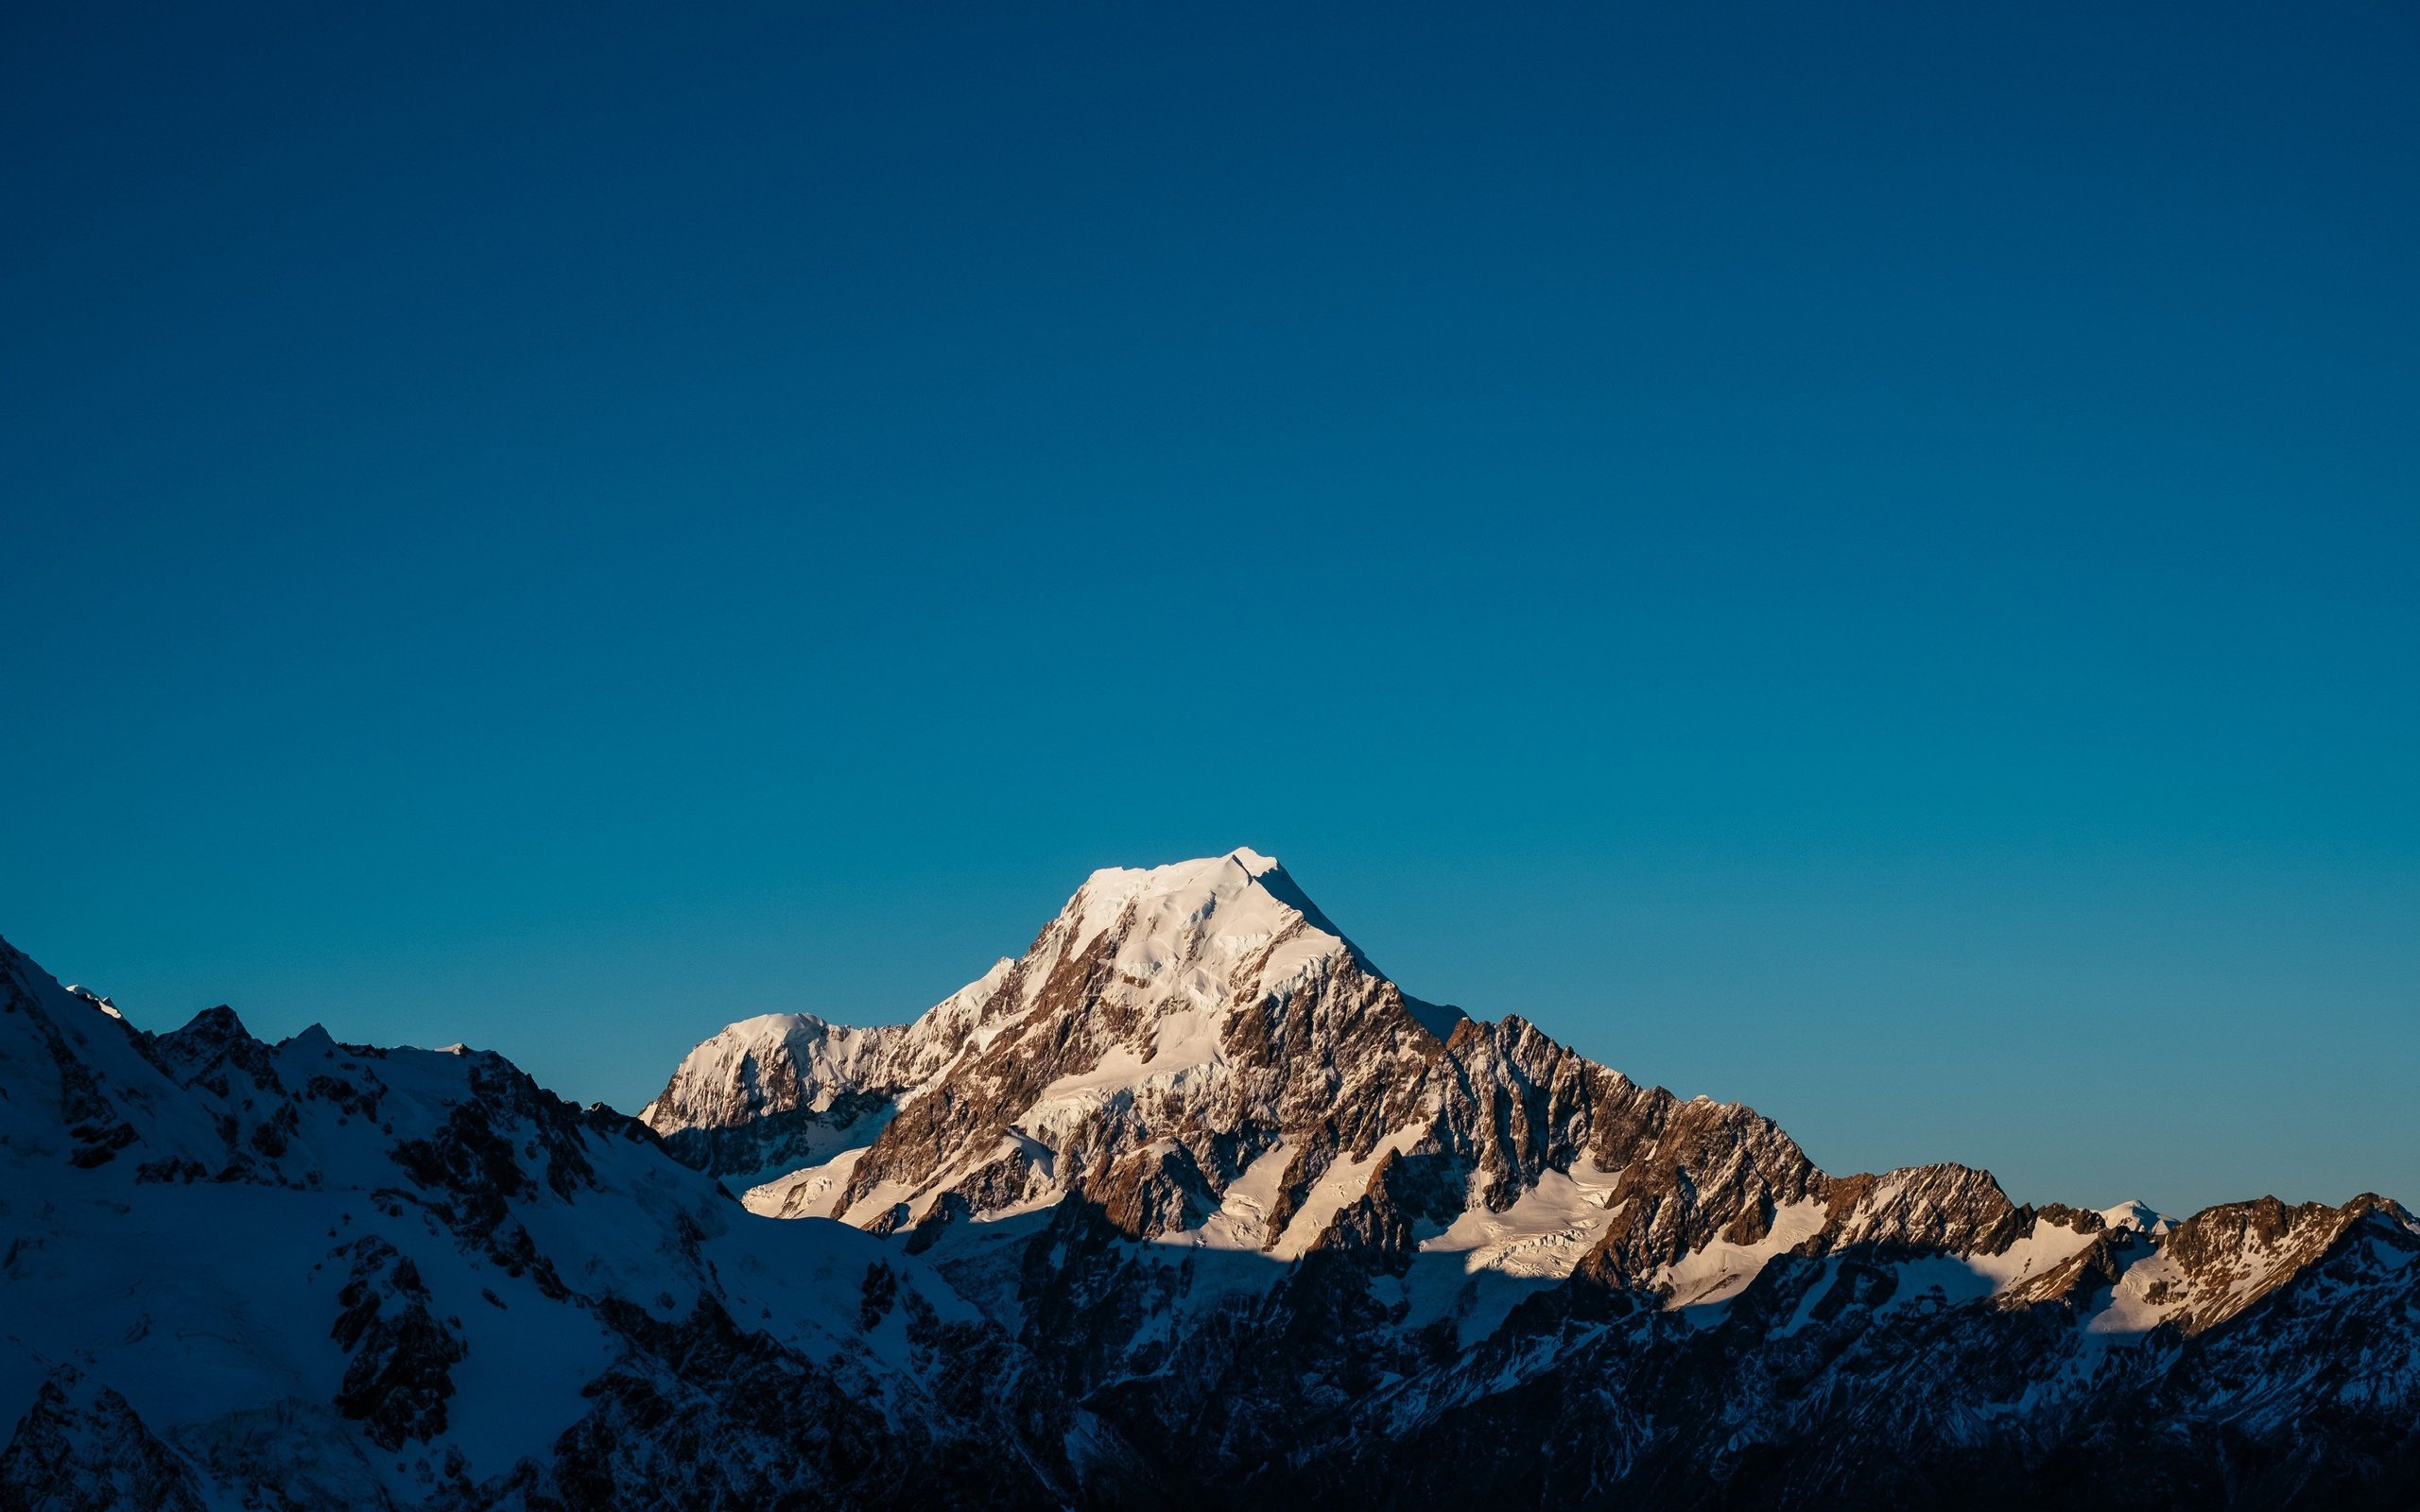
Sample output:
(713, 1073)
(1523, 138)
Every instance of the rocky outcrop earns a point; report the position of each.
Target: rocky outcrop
(400, 1371)
(81, 1448)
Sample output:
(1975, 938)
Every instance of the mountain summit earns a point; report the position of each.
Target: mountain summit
(1215, 982)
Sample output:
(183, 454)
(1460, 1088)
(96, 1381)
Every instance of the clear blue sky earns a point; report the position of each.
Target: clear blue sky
(1857, 559)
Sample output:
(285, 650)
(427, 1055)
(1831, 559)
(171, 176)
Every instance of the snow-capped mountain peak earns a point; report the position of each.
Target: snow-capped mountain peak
(1198, 1049)
(2137, 1216)
(1208, 913)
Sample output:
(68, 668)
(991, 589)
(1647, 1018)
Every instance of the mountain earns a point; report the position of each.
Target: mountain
(1287, 1229)
(1187, 1205)
(315, 1275)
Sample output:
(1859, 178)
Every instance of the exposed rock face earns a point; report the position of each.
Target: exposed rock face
(82, 1449)
(1285, 1226)
(403, 1360)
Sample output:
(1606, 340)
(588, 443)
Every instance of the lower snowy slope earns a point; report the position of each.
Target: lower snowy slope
(334, 1276)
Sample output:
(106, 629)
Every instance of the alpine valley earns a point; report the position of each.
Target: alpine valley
(1187, 1207)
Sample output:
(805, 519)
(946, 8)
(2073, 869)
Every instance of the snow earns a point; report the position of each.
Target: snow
(723, 1081)
(808, 1191)
(208, 1304)
(1340, 1184)
(2045, 1248)
(1937, 1280)
(1546, 1232)
(1483, 1264)
(1188, 946)
(1182, 892)
(2138, 1217)
(105, 1004)
(2155, 1288)
(1195, 922)
(2130, 1309)
(1241, 1222)
(1195, 942)
(1722, 1270)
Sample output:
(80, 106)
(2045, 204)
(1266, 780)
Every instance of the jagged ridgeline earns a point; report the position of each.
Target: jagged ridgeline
(1188, 1206)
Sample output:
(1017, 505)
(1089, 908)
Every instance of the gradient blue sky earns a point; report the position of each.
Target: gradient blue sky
(1857, 559)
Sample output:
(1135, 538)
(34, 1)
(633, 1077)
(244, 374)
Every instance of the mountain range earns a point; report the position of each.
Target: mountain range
(1187, 1205)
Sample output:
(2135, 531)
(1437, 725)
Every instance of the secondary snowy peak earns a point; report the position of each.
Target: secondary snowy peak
(767, 1064)
(2137, 1216)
